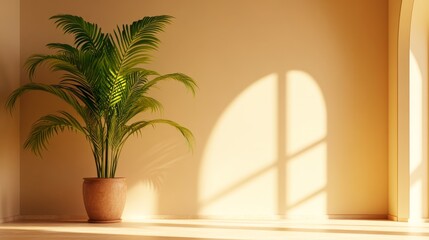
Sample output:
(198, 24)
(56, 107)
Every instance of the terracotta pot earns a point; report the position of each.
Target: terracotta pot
(104, 199)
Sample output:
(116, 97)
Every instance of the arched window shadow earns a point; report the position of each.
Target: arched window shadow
(274, 134)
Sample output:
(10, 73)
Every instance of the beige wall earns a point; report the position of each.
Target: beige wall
(403, 109)
(9, 126)
(290, 118)
(394, 13)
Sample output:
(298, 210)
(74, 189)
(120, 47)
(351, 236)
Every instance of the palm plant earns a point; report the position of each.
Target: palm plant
(105, 83)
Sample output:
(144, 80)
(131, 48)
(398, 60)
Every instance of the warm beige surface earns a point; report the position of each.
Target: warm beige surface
(205, 229)
(403, 109)
(400, 16)
(419, 38)
(290, 117)
(394, 13)
(9, 126)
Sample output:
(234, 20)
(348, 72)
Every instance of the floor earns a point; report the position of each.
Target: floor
(212, 229)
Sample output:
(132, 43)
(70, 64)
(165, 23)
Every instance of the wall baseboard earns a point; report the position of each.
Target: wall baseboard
(358, 216)
(53, 217)
(410, 220)
(392, 217)
(10, 219)
(209, 217)
(301, 217)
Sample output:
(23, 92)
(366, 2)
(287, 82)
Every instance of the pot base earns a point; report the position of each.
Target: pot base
(105, 221)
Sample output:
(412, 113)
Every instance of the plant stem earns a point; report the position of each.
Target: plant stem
(101, 152)
(106, 169)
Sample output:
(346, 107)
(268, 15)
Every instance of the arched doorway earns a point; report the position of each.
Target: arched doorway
(409, 148)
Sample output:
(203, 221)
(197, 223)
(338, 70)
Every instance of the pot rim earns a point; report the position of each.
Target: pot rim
(103, 179)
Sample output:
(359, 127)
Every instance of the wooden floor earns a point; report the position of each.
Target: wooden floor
(211, 229)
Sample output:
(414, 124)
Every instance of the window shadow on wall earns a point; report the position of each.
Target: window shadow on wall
(293, 127)
(266, 156)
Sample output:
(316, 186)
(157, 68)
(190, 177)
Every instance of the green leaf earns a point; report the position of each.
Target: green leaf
(187, 81)
(48, 126)
(88, 36)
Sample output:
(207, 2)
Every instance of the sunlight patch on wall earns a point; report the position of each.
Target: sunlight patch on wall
(306, 182)
(142, 200)
(237, 175)
(416, 113)
(306, 147)
(267, 154)
(418, 141)
(305, 111)
(147, 174)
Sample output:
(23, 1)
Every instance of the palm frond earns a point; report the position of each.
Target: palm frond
(59, 62)
(140, 105)
(131, 47)
(136, 128)
(133, 88)
(88, 36)
(55, 90)
(133, 98)
(136, 40)
(48, 126)
(62, 47)
(187, 81)
(81, 73)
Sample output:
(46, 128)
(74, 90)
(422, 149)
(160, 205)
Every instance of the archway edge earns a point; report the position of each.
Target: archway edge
(403, 113)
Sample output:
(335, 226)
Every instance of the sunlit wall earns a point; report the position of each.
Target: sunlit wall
(290, 118)
(283, 120)
(419, 38)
